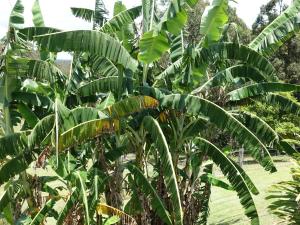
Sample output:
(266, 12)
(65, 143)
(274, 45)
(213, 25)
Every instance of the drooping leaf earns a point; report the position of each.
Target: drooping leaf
(85, 131)
(38, 19)
(278, 31)
(16, 19)
(149, 191)
(131, 105)
(233, 175)
(102, 85)
(286, 147)
(284, 103)
(213, 19)
(253, 90)
(158, 137)
(228, 76)
(222, 119)
(40, 131)
(259, 127)
(86, 14)
(98, 186)
(94, 42)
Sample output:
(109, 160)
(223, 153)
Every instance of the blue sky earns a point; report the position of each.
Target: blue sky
(57, 12)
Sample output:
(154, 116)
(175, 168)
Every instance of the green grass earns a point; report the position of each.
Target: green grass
(225, 207)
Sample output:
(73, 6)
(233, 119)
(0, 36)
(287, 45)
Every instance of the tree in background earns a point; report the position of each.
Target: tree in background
(287, 59)
(287, 62)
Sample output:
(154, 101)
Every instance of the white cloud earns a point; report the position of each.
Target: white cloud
(57, 12)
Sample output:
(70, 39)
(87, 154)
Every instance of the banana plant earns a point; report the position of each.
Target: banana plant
(120, 125)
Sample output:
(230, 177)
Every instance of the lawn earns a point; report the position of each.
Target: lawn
(225, 206)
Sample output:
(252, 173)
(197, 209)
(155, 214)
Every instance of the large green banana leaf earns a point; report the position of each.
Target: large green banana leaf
(253, 90)
(279, 31)
(28, 33)
(233, 174)
(93, 42)
(149, 191)
(158, 137)
(213, 20)
(222, 119)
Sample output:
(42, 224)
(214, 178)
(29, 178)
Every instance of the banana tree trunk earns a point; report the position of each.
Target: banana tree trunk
(241, 156)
